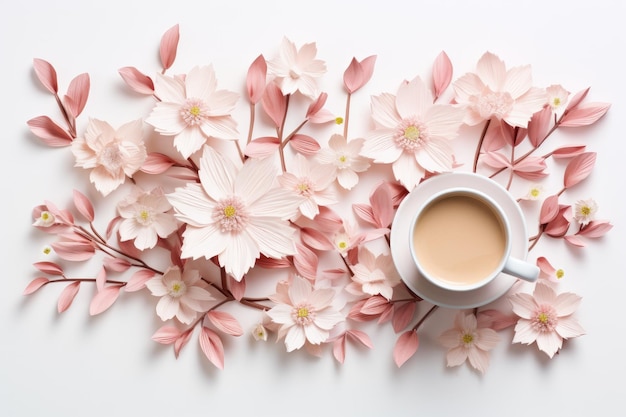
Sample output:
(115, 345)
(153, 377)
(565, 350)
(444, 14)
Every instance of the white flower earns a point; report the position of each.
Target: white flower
(45, 219)
(374, 275)
(259, 333)
(296, 70)
(306, 314)
(557, 97)
(146, 218)
(235, 215)
(535, 192)
(309, 180)
(585, 211)
(344, 158)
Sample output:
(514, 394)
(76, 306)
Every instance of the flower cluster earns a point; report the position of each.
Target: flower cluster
(271, 204)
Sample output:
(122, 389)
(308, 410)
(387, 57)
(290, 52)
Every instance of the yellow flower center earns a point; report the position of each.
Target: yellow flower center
(543, 318)
(560, 273)
(194, 111)
(47, 250)
(412, 132)
(342, 245)
(303, 187)
(339, 120)
(556, 102)
(176, 287)
(45, 216)
(303, 313)
(144, 215)
(468, 338)
(585, 210)
(343, 158)
(535, 192)
(230, 211)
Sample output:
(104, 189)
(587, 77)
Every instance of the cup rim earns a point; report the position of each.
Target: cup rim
(498, 211)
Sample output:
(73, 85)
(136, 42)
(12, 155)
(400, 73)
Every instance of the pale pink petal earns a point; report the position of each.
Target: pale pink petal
(479, 359)
(274, 239)
(167, 307)
(165, 118)
(255, 179)
(549, 342)
(347, 178)
(568, 327)
(408, 171)
(518, 81)
(525, 106)
(384, 111)
(169, 89)
(203, 242)
(380, 147)
(492, 71)
(281, 314)
(525, 332)
(299, 290)
(435, 156)
(315, 335)
(189, 140)
(217, 174)
(277, 202)
(156, 287)
(487, 339)
(467, 86)
(295, 338)
(456, 356)
(192, 205)
(413, 98)
(444, 121)
(523, 305)
(239, 255)
(566, 303)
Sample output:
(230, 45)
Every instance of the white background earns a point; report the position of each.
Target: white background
(76, 365)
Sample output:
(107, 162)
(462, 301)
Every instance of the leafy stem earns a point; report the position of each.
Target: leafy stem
(480, 145)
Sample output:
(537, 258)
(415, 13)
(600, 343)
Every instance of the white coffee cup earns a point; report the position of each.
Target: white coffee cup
(460, 240)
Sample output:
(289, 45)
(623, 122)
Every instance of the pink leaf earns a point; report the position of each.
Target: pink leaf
(116, 264)
(138, 280)
(111, 226)
(104, 299)
(225, 322)
(74, 251)
(559, 226)
(539, 125)
(549, 209)
(375, 305)
(49, 268)
(365, 213)
(405, 347)
(51, 133)
(579, 168)
(136, 80)
(361, 337)
(315, 239)
(83, 205)
(584, 115)
(577, 99)
(157, 163)
(256, 79)
(237, 288)
(262, 147)
(382, 206)
(67, 296)
(304, 144)
(46, 74)
(166, 335)
(595, 229)
(358, 73)
(212, 347)
(63, 216)
(168, 47)
(182, 341)
(305, 261)
(532, 164)
(339, 349)
(574, 241)
(272, 263)
(274, 103)
(442, 73)
(496, 160)
(494, 140)
(35, 284)
(568, 151)
(78, 92)
(101, 279)
(182, 173)
(316, 114)
(403, 315)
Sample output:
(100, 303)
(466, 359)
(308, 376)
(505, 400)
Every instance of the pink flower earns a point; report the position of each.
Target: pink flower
(236, 215)
(296, 70)
(310, 181)
(469, 339)
(304, 313)
(344, 160)
(182, 295)
(495, 92)
(412, 133)
(146, 218)
(546, 318)
(112, 155)
(373, 275)
(192, 110)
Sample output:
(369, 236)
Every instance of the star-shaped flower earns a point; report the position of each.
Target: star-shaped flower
(296, 69)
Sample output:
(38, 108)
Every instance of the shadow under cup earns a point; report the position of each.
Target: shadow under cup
(460, 239)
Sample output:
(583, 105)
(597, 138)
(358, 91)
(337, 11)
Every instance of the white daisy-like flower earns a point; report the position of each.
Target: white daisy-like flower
(585, 211)
(343, 156)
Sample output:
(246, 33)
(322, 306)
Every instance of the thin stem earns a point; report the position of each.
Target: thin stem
(70, 124)
(480, 145)
(67, 279)
(252, 118)
(347, 118)
(428, 313)
(508, 185)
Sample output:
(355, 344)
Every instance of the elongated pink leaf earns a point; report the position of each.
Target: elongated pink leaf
(166, 335)
(262, 147)
(316, 239)
(405, 347)
(568, 151)
(101, 279)
(74, 251)
(49, 268)
(67, 296)
(138, 280)
(212, 347)
(532, 168)
(237, 288)
(111, 226)
(375, 305)
(104, 299)
(305, 261)
(83, 205)
(574, 240)
(116, 264)
(577, 99)
(365, 213)
(182, 173)
(578, 169)
(274, 103)
(304, 144)
(168, 47)
(549, 209)
(78, 92)
(358, 73)
(35, 284)
(403, 315)
(496, 160)
(442, 73)
(539, 125)
(596, 229)
(272, 263)
(339, 349)
(225, 322)
(137, 81)
(157, 163)
(360, 337)
(256, 79)
(558, 227)
(46, 74)
(584, 115)
(382, 206)
(182, 341)
(51, 133)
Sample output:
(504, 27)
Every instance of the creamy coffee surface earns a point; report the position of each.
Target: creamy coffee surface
(459, 240)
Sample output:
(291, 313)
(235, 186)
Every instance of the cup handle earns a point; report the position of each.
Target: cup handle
(521, 269)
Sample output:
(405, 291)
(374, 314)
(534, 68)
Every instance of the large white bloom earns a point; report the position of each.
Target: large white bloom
(412, 133)
(192, 110)
(305, 314)
(234, 214)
